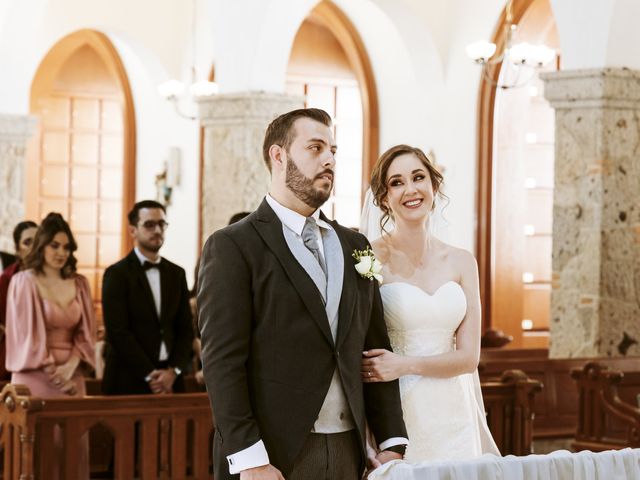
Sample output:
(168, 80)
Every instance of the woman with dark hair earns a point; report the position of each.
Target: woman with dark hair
(50, 318)
(50, 323)
(23, 235)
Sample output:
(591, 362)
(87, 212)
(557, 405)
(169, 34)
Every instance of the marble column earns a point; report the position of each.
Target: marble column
(15, 131)
(234, 176)
(595, 299)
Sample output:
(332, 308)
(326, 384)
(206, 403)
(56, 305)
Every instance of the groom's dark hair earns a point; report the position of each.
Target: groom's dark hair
(281, 131)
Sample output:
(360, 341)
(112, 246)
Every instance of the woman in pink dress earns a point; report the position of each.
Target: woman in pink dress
(50, 320)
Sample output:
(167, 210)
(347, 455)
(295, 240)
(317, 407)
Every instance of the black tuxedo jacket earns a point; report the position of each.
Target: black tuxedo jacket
(134, 331)
(267, 350)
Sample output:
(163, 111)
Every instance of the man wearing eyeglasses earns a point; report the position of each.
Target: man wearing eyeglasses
(145, 304)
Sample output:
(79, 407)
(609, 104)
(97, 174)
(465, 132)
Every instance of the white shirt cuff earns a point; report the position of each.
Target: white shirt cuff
(392, 442)
(254, 456)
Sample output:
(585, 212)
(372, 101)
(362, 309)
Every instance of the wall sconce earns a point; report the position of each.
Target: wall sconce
(173, 90)
(521, 55)
(169, 178)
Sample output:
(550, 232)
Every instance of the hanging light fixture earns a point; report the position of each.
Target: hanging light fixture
(174, 90)
(522, 56)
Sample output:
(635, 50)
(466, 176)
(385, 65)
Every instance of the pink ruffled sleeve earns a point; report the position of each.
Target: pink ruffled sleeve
(84, 337)
(26, 332)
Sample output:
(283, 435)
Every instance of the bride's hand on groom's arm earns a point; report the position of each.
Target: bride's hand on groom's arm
(381, 365)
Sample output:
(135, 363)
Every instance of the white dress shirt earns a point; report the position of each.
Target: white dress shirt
(295, 222)
(153, 275)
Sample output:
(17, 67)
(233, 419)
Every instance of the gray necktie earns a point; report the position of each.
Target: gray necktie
(311, 241)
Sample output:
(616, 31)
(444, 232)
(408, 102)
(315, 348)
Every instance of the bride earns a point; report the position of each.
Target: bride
(432, 310)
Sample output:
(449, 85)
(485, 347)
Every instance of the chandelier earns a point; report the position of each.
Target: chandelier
(523, 56)
(174, 90)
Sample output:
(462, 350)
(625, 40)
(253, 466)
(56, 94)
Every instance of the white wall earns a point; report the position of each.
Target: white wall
(598, 33)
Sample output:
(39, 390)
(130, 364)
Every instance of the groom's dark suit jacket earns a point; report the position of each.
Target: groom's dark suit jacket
(267, 351)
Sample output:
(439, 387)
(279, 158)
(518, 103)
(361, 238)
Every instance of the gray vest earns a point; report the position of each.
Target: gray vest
(335, 415)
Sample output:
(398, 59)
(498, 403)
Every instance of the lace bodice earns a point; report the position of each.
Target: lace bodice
(444, 416)
(420, 323)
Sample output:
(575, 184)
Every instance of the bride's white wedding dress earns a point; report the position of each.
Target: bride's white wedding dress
(445, 417)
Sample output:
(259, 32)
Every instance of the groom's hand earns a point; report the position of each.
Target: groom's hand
(372, 460)
(387, 455)
(265, 472)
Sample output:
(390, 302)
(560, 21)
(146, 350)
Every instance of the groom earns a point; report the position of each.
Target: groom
(284, 318)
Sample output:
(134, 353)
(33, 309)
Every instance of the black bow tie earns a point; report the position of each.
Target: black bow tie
(148, 265)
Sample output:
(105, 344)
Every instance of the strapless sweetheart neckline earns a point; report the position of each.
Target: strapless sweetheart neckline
(437, 290)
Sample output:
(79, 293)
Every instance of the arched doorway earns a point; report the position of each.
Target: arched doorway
(516, 161)
(83, 163)
(330, 68)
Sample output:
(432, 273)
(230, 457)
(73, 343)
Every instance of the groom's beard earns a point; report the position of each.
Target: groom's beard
(303, 188)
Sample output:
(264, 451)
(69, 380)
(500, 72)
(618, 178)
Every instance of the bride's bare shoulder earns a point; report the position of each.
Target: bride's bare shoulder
(463, 259)
(381, 248)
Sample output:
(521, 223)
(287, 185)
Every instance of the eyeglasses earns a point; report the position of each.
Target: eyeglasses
(152, 224)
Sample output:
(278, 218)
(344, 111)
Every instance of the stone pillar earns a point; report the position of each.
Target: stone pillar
(15, 131)
(234, 176)
(595, 299)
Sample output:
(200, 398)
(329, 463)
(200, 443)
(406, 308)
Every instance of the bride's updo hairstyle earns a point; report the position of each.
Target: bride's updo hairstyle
(379, 178)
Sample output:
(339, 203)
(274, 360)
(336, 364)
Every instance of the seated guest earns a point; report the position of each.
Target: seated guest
(50, 322)
(22, 238)
(145, 304)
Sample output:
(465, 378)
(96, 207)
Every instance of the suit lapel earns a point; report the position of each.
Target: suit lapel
(349, 289)
(165, 290)
(143, 282)
(269, 228)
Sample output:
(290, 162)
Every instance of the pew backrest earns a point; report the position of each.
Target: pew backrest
(170, 435)
(608, 417)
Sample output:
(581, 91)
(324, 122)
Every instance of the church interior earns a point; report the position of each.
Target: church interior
(529, 108)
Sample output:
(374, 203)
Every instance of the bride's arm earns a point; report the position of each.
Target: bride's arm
(385, 366)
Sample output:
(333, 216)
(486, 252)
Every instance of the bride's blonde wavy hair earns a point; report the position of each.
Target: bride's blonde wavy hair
(379, 178)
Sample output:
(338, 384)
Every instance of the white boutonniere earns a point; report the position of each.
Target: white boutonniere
(368, 265)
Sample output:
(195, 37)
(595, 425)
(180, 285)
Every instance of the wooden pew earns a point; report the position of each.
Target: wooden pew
(556, 410)
(508, 402)
(176, 430)
(174, 433)
(509, 405)
(608, 414)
